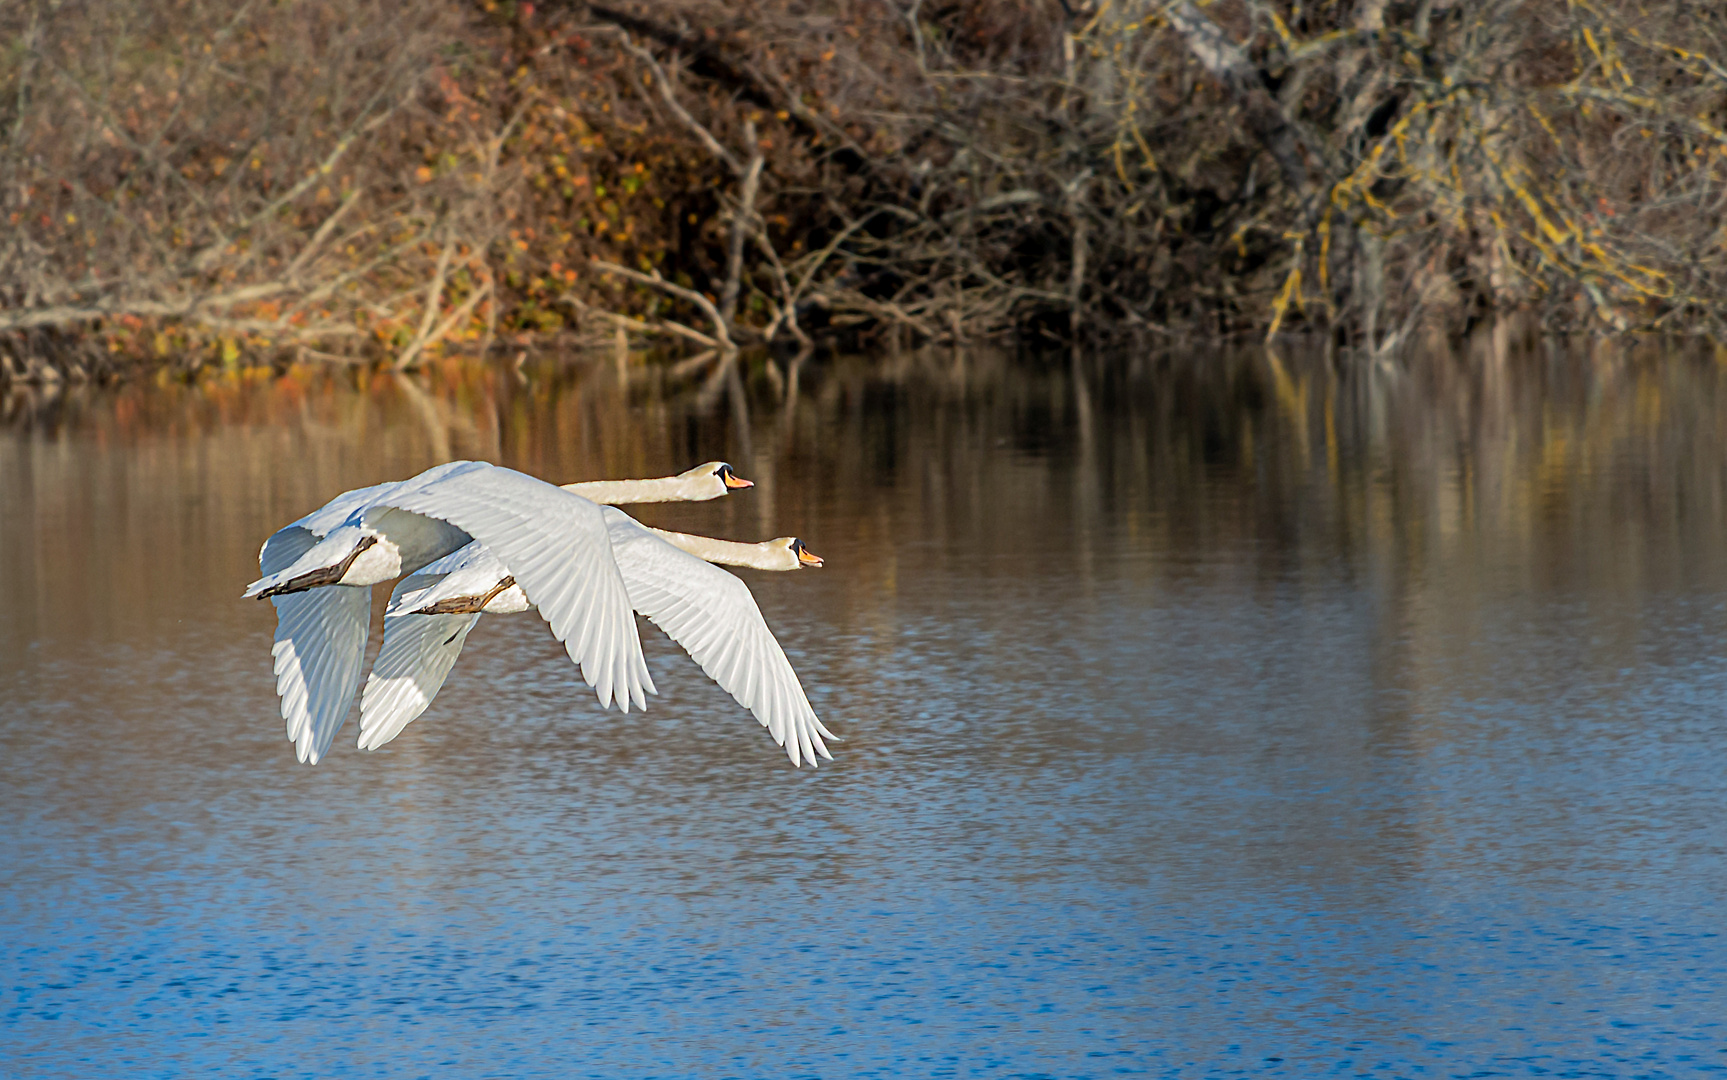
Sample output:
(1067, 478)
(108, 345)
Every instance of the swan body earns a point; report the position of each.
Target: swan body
(670, 580)
(367, 536)
(474, 581)
(556, 543)
(361, 539)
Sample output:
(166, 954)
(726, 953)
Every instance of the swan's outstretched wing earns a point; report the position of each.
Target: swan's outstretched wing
(322, 521)
(557, 546)
(319, 651)
(713, 616)
(286, 545)
(418, 652)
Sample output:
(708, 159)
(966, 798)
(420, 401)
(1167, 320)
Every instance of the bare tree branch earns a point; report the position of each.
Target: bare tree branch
(430, 309)
(721, 337)
(669, 94)
(742, 221)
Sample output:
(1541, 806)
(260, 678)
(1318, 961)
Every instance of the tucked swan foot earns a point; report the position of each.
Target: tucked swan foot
(329, 575)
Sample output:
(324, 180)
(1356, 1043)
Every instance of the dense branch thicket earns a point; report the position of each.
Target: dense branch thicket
(336, 179)
(205, 177)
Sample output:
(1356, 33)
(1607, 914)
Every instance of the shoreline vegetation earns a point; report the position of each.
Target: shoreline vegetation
(187, 183)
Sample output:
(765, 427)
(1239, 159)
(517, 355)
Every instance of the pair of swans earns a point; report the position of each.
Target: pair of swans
(474, 538)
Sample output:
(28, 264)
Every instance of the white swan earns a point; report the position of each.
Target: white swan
(373, 534)
(704, 609)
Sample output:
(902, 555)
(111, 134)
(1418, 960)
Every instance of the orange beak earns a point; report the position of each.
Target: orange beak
(734, 481)
(808, 557)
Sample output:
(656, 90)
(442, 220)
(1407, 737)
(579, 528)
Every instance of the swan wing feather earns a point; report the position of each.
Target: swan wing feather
(284, 548)
(319, 652)
(711, 613)
(337, 511)
(320, 644)
(557, 546)
(418, 652)
(319, 647)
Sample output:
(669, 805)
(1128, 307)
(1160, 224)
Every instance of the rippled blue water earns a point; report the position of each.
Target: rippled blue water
(1356, 744)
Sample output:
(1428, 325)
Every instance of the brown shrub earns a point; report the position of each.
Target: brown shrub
(335, 177)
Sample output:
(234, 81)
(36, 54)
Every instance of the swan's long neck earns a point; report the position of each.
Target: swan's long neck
(626, 492)
(730, 552)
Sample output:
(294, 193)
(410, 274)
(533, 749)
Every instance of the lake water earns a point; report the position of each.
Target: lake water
(1216, 716)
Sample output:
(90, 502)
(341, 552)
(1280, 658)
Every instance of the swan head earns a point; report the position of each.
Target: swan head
(797, 553)
(710, 480)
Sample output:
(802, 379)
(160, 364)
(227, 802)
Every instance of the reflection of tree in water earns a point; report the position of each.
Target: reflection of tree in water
(1497, 458)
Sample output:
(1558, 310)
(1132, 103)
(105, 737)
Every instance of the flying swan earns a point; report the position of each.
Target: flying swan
(557, 540)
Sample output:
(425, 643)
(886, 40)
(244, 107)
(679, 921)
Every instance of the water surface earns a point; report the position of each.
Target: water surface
(1217, 716)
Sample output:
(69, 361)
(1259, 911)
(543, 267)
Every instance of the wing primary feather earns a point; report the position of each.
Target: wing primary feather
(557, 546)
(418, 652)
(711, 614)
(319, 651)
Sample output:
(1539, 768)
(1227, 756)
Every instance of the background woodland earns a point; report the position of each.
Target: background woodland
(191, 182)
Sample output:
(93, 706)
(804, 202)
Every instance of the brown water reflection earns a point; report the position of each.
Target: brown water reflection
(1191, 703)
(1603, 464)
